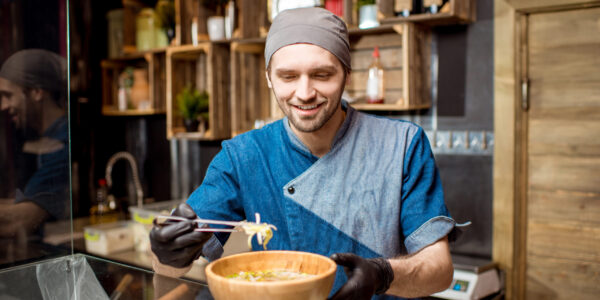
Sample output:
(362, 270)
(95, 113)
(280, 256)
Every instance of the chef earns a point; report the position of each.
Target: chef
(361, 189)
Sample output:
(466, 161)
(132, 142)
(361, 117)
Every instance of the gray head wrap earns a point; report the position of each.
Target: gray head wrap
(36, 68)
(312, 25)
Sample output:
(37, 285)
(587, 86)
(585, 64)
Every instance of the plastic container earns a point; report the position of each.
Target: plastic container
(142, 219)
(105, 239)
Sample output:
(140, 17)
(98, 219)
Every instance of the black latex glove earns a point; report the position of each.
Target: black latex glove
(175, 243)
(366, 277)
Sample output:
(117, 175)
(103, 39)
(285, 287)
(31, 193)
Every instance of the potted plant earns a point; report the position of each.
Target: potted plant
(165, 11)
(193, 106)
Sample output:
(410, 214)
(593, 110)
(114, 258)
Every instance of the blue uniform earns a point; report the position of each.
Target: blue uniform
(48, 187)
(376, 193)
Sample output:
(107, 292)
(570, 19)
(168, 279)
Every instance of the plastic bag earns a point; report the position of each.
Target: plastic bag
(70, 278)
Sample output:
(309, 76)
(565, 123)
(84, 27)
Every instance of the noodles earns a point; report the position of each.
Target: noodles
(263, 232)
(269, 275)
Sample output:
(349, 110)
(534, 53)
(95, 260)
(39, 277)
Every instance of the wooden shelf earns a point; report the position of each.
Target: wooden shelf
(428, 19)
(381, 29)
(180, 133)
(204, 67)
(453, 12)
(153, 62)
(110, 111)
(404, 55)
(388, 107)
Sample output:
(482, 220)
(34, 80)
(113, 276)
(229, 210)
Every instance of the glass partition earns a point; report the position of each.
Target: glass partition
(34, 133)
(78, 276)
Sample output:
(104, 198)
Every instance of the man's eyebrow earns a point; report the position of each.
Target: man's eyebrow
(327, 68)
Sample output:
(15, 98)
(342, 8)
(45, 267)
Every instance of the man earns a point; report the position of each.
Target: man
(33, 96)
(361, 189)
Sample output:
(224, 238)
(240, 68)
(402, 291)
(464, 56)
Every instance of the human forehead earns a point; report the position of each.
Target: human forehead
(9, 86)
(299, 57)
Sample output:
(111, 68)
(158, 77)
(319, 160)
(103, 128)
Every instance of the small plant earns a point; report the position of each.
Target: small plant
(193, 106)
(364, 2)
(165, 10)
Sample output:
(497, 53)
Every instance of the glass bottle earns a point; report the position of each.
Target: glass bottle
(101, 212)
(375, 87)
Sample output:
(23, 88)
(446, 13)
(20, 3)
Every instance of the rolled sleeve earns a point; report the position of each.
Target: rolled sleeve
(428, 233)
(424, 216)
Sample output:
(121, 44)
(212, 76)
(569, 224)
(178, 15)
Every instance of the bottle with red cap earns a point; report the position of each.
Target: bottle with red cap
(375, 87)
(101, 211)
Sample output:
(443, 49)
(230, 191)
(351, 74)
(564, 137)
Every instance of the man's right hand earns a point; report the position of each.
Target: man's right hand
(175, 243)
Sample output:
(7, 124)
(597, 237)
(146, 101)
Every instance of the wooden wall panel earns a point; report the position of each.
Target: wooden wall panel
(564, 153)
(564, 206)
(571, 240)
(551, 278)
(553, 172)
(569, 136)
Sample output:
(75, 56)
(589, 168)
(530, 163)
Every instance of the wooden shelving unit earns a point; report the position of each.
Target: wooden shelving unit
(154, 63)
(250, 99)
(110, 111)
(201, 67)
(232, 70)
(404, 51)
(453, 12)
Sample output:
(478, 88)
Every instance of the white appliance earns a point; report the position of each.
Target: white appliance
(473, 279)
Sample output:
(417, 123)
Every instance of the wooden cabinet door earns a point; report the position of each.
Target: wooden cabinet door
(563, 160)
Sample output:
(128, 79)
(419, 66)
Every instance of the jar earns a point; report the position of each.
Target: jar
(145, 31)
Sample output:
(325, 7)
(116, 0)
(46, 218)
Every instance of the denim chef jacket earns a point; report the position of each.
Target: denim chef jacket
(377, 193)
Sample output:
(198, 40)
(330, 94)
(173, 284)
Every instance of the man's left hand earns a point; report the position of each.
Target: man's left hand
(366, 277)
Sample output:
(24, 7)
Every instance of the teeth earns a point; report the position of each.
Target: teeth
(307, 106)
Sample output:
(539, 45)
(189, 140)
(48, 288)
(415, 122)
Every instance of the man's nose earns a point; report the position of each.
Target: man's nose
(305, 90)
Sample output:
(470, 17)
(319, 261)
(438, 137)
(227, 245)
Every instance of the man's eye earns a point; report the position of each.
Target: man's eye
(288, 77)
(322, 75)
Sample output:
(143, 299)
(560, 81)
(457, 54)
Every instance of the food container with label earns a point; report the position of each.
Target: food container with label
(108, 238)
(142, 221)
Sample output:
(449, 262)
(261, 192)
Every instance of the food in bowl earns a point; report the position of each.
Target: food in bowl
(269, 275)
(315, 287)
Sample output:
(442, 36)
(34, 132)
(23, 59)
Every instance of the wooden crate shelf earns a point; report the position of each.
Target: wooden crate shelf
(250, 99)
(154, 63)
(453, 12)
(203, 67)
(232, 70)
(404, 51)
(251, 20)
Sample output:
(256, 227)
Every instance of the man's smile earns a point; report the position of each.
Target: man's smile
(308, 109)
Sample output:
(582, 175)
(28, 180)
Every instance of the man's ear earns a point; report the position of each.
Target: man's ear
(269, 84)
(348, 78)
(36, 94)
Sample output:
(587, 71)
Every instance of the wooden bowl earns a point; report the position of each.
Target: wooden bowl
(314, 287)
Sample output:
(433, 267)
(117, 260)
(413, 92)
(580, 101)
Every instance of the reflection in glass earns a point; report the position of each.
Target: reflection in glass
(34, 135)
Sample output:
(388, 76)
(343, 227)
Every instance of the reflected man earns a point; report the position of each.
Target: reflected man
(33, 95)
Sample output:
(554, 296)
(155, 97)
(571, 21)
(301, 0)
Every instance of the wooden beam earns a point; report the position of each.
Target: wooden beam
(505, 105)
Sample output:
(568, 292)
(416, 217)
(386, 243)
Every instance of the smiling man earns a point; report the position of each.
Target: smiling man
(33, 95)
(362, 189)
